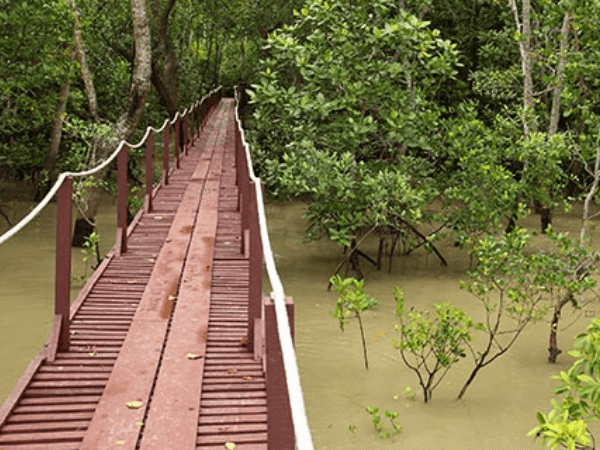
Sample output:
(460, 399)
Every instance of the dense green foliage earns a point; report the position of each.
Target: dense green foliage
(351, 91)
(195, 46)
(417, 119)
(34, 50)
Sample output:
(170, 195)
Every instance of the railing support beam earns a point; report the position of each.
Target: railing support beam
(255, 260)
(185, 137)
(62, 285)
(166, 144)
(149, 171)
(177, 161)
(121, 242)
(279, 412)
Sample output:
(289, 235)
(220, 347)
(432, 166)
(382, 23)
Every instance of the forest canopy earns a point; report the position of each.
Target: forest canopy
(67, 69)
(413, 120)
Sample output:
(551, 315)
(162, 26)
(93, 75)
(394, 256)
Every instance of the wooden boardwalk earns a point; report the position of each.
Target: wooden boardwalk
(159, 357)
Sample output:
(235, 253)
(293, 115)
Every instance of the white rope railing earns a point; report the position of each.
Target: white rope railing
(292, 375)
(61, 178)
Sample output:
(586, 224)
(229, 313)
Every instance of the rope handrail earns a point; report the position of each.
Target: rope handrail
(61, 178)
(292, 375)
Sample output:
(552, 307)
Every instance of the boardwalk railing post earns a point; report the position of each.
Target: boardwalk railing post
(62, 285)
(166, 144)
(256, 263)
(177, 162)
(280, 428)
(122, 201)
(238, 156)
(149, 171)
(185, 136)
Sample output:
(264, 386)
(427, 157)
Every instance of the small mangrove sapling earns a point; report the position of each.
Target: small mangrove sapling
(513, 289)
(352, 299)
(382, 433)
(431, 346)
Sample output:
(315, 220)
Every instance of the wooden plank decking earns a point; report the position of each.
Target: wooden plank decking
(164, 324)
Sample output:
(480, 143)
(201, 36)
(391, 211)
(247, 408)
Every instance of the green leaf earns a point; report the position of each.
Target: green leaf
(586, 379)
(541, 418)
(134, 404)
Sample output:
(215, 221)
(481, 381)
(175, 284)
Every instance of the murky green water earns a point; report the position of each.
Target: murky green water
(498, 409)
(27, 285)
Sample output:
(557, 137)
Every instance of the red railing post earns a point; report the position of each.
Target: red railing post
(185, 136)
(122, 201)
(280, 427)
(256, 260)
(177, 163)
(238, 154)
(62, 283)
(166, 143)
(149, 171)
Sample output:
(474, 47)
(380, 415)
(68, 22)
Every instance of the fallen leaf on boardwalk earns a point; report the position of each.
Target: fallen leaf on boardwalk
(244, 341)
(232, 371)
(172, 298)
(248, 378)
(193, 356)
(135, 404)
(140, 424)
(120, 443)
(230, 446)
(93, 353)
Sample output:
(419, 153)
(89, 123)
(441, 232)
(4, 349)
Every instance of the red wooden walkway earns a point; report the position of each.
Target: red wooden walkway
(165, 326)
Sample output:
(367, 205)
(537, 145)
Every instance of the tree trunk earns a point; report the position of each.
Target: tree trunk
(545, 211)
(474, 373)
(528, 103)
(86, 75)
(354, 261)
(545, 219)
(560, 74)
(590, 197)
(364, 342)
(553, 350)
(395, 237)
(165, 79)
(380, 252)
(125, 125)
(56, 133)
